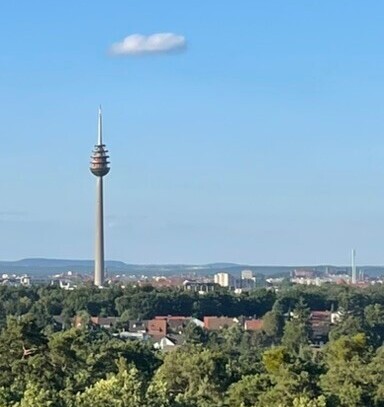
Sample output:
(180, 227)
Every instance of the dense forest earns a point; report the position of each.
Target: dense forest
(42, 364)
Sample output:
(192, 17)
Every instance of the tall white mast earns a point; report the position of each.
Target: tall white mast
(354, 273)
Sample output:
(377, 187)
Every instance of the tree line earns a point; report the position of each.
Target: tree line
(146, 302)
(43, 366)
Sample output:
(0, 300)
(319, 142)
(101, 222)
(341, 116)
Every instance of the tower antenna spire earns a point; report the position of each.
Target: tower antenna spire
(100, 128)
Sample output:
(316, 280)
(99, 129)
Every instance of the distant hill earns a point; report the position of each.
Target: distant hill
(42, 263)
(39, 267)
(42, 267)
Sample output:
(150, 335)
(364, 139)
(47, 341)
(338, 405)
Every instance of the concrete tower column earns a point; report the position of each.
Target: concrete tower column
(99, 238)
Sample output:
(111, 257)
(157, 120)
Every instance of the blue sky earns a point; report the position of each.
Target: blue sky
(261, 143)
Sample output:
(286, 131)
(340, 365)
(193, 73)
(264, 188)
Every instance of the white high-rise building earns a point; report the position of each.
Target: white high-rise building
(247, 275)
(224, 279)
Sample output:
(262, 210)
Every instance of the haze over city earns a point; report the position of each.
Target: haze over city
(250, 133)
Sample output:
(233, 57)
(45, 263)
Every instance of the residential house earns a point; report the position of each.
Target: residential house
(320, 322)
(253, 324)
(105, 322)
(175, 324)
(218, 323)
(157, 327)
(168, 343)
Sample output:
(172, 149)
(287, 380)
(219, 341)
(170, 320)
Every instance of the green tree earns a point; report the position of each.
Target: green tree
(374, 319)
(125, 389)
(247, 391)
(273, 323)
(35, 395)
(348, 326)
(290, 375)
(346, 382)
(192, 373)
(297, 330)
(305, 401)
(194, 334)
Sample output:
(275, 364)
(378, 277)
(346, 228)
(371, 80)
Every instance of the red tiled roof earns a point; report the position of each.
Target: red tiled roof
(320, 316)
(157, 326)
(217, 323)
(320, 313)
(253, 324)
(104, 320)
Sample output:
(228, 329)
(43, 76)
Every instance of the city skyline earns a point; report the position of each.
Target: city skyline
(247, 134)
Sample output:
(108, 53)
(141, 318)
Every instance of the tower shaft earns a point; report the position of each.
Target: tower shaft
(99, 236)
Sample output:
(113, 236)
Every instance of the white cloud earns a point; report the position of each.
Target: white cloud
(138, 44)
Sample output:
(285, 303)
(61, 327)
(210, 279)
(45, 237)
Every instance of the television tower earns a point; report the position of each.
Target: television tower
(99, 167)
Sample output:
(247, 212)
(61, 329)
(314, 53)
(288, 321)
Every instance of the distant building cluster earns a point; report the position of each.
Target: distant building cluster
(169, 332)
(165, 332)
(69, 280)
(311, 277)
(15, 280)
(237, 281)
(249, 280)
(201, 287)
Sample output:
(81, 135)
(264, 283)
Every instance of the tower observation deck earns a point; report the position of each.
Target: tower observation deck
(99, 159)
